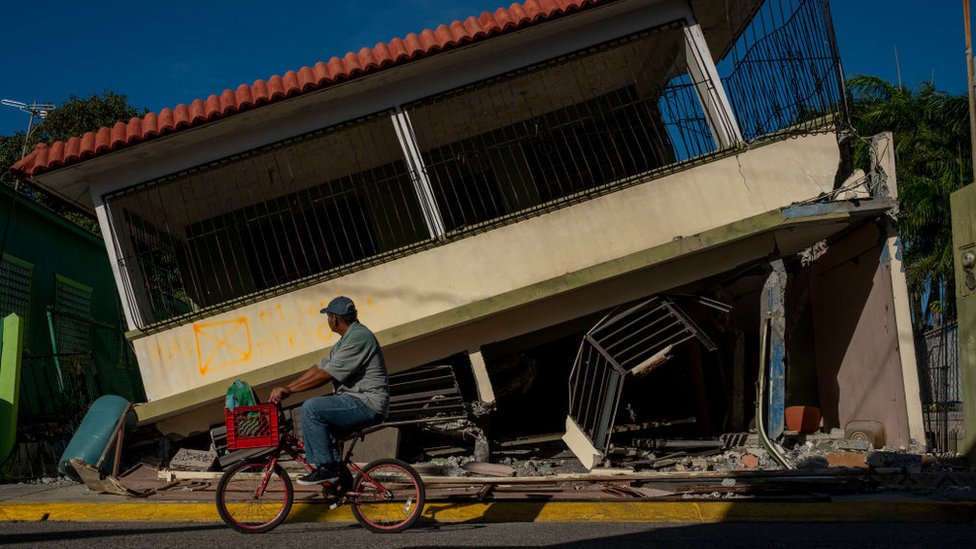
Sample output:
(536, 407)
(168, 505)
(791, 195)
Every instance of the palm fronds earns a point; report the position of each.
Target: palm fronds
(933, 159)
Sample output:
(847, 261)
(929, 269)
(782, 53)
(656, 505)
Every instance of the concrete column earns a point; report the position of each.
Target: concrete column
(130, 305)
(883, 162)
(906, 336)
(708, 86)
(486, 393)
(773, 310)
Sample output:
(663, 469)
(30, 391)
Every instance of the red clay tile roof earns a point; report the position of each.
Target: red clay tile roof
(45, 157)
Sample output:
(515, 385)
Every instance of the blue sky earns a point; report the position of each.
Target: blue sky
(161, 54)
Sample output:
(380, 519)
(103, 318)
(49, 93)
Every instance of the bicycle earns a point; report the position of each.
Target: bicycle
(256, 494)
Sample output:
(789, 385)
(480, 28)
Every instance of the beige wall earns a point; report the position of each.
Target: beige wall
(491, 263)
(857, 337)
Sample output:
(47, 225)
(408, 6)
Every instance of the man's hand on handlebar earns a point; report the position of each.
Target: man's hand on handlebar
(312, 378)
(278, 394)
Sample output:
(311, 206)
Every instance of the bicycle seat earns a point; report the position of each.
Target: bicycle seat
(363, 432)
(358, 434)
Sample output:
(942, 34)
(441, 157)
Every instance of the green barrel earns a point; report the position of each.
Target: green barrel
(94, 434)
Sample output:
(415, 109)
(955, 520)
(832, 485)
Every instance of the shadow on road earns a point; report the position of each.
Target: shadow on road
(134, 529)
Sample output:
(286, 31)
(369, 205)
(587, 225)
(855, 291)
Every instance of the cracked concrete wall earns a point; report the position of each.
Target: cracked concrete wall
(859, 365)
(285, 334)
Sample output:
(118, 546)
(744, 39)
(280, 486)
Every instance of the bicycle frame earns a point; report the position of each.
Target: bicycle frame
(295, 449)
(258, 484)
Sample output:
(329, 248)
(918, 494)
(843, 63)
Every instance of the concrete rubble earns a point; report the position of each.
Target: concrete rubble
(825, 463)
(186, 459)
(826, 466)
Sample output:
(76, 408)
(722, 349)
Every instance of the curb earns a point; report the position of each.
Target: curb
(563, 511)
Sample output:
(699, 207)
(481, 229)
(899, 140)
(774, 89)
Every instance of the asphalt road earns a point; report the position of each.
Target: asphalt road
(571, 535)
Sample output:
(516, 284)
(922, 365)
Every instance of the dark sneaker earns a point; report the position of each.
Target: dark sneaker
(320, 475)
(345, 479)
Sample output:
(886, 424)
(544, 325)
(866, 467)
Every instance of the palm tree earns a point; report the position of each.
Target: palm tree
(932, 152)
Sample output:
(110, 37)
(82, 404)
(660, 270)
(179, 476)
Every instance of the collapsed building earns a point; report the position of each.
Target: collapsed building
(610, 218)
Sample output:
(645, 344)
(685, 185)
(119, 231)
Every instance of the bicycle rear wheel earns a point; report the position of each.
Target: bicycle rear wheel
(388, 496)
(252, 497)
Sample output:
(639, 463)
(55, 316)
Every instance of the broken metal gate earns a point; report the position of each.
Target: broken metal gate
(628, 342)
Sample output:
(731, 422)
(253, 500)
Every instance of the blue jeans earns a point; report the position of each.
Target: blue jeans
(326, 418)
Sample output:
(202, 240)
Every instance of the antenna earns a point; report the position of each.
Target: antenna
(35, 110)
(897, 65)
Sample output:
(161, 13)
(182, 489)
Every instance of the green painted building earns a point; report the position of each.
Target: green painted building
(56, 276)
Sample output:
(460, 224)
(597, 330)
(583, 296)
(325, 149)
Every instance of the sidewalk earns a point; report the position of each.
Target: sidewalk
(509, 501)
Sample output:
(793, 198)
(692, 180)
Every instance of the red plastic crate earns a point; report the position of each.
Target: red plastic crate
(252, 426)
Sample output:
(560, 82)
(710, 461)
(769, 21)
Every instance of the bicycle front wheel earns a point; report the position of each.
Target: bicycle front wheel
(253, 497)
(388, 496)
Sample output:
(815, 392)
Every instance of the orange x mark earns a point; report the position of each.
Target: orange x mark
(222, 343)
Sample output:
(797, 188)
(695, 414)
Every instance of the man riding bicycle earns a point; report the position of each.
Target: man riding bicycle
(356, 368)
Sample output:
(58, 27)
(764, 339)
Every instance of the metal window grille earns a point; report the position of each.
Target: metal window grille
(618, 344)
(53, 401)
(65, 383)
(268, 218)
(72, 301)
(560, 128)
(15, 290)
(93, 359)
(942, 398)
(783, 73)
(559, 131)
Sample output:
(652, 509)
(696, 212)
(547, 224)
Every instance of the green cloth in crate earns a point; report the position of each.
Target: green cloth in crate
(239, 394)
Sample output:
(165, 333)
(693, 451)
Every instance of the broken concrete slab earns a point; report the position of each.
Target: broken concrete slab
(187, 459)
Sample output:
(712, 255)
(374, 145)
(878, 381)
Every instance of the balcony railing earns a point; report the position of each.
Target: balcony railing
(783, 73)
(548, 135)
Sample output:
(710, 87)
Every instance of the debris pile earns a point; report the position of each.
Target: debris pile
(740, 452)
(187, 459)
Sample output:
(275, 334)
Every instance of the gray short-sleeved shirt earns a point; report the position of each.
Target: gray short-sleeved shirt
(356, 362)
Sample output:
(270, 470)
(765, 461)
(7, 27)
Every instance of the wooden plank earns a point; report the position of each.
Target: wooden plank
(530, 441)
(98, 482)
(490, 469)
(597, 475)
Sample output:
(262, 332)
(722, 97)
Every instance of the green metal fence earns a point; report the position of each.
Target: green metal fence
(57, 277)
(57, 389)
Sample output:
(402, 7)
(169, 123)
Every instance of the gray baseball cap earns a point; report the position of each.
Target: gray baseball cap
(341, 305)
